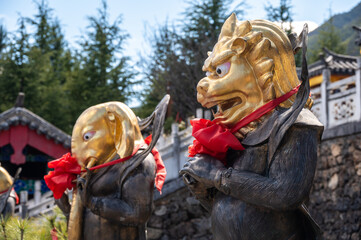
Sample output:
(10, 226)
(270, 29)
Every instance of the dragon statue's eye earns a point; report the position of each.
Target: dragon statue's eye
(223, 69)
(88, 135)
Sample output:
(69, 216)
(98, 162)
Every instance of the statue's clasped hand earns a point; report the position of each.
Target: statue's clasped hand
(203, 169)
(83, 188)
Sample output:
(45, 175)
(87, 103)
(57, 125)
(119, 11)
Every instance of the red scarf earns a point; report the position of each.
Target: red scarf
(215, 139)
(67, 168)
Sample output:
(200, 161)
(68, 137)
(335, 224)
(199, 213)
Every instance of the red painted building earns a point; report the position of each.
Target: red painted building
(28, 141)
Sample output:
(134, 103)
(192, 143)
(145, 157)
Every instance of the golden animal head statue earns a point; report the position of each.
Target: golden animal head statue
(102, 131)
(5, 180)
(251, 64)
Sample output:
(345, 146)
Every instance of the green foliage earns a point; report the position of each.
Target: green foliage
(281, 14)
(168, 125)
(342, 24)
(102, 73)
(39, 69)
(59, 83)
(3, 222)
(2, 38)
(329, 37)
(34, 228)
(178, 53)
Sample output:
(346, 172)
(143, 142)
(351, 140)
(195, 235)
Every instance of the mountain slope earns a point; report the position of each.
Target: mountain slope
(343, 22)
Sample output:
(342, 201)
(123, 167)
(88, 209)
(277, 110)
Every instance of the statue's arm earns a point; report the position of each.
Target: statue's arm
(290, 176)
(135, 204)
(64, 205)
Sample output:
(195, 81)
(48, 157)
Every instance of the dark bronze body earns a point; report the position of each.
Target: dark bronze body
(9, 201)
(115, 209)
(120, 212)
(118, 199)
(254, 198)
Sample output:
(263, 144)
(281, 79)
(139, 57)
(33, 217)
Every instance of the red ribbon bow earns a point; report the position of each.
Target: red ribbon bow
(67, 168)
(65, 172)
(212, 139)
(215, 139)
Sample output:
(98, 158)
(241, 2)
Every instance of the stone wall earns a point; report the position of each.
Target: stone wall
(335, 199)
(178, 215)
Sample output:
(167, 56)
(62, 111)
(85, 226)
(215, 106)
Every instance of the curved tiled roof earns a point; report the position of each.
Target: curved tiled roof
(19, 115)
(337, 63)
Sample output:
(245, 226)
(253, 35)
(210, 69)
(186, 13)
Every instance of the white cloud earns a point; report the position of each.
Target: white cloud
(297, 26)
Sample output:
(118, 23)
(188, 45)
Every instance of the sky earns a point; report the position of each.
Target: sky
(139, 15)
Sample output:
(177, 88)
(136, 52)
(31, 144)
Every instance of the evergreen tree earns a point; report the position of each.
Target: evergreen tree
(328, 37)
(14, 65)
(2, 38)
(175, 66)
(104, 72)
(38, 65)
(157, 66)
(51, 59)
(281, 14)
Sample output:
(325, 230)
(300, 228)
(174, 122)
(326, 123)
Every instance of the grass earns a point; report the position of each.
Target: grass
(37, 228)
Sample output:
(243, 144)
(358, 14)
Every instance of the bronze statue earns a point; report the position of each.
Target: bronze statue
(114, 192)
(252, 167)
(8, 197)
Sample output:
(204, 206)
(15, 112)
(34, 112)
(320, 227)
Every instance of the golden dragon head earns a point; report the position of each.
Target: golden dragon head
(251, 64)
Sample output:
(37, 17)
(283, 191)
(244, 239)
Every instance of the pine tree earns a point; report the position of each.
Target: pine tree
(38, 64)
(51, 60)
(281, 14)
(158, 67)
(2, 38)
(175, 65)
(14, 65)
(328, 37)
(104, 72)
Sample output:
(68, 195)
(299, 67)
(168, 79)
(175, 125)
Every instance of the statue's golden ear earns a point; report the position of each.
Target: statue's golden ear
(122, 128)
(239, 45)
(229, 26)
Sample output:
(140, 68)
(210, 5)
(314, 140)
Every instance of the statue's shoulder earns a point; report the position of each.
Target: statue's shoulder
(306, 119)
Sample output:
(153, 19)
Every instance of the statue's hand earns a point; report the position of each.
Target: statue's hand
(201, 168)
(83, 188)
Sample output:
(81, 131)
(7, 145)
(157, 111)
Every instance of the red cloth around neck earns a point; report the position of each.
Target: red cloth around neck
(67, 168)
(215, 139)
(161, 171)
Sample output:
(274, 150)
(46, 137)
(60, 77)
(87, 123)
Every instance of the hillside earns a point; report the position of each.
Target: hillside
(343, 22)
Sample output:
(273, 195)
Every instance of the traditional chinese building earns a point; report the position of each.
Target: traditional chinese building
(336, 88)
(340, 66)
(28, 141)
